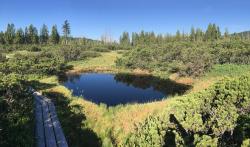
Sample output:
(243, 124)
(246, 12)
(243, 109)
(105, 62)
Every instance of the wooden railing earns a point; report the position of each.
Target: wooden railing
(48, 129)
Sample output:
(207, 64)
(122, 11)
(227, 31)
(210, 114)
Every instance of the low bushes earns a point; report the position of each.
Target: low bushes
(16, 114)
(186, 58)
(41, 63)
(34, 49)
(217, 116)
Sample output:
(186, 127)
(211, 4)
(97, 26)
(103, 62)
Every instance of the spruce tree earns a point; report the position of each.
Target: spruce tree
(66, 30)
(226, 34)
(26, 36)
(212, 32)
(134, 39)
(199, 34)
(33, 34)
(218, 33)
(178, 36)
(2, 38)
(159, 38)
(192, 34)
(44, 34)
(9, 35)
(125, 39)
(142, 37)
(19, 37)
(54, 37)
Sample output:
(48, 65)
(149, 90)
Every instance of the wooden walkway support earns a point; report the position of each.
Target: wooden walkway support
(48, 129)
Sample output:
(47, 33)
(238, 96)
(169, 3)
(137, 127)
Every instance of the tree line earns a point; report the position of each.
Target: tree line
(212, 33)
(30, 34)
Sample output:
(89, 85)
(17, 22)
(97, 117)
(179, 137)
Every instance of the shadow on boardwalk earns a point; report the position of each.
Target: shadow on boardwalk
(72, 121)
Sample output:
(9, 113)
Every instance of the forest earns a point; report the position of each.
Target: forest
(216, 115)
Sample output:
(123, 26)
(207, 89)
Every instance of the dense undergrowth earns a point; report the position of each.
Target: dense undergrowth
(16, 111)
(186, 58)
(218, 116)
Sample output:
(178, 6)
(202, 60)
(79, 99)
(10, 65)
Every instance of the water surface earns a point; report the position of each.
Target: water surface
(114, 89)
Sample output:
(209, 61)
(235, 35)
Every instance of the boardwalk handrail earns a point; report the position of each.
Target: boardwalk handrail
(48, 129)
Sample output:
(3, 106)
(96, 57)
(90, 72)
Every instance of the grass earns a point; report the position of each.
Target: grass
(105, 61)
(230, 70)
(217, 73)
(23, 52)
(113, 124)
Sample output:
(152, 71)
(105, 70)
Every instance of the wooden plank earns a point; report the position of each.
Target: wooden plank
(48, 129)
(40, 140)
(48, 126)
(60, 138)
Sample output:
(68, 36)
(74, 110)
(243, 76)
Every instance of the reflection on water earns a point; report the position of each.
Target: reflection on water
(114, 89)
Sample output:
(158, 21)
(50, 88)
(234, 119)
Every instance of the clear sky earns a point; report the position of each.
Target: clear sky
(91, 18)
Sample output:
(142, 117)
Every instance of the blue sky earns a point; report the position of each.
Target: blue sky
(92, 18)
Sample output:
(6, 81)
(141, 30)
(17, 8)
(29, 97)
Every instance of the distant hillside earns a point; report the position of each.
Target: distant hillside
(243, 34)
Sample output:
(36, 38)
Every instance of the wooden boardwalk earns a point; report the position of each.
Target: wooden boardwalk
(48, 129)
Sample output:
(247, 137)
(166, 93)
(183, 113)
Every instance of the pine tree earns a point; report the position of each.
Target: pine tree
(9, 35)
(178, 36)
(212, 33)
(208, 32)
(19, 37)
(54, 37)
(159, 38)
(2, 41)
(33, 34)
(134, 39)
(152, 38)
(199, 34)
(26, 36)
(66, 30)
(142, 37)
(44, 34)
(218, 33)
(184, 36)
(226, 34)
(125, 39)
(192, 34)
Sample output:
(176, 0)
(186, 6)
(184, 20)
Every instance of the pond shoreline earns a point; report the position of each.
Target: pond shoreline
(80, 70)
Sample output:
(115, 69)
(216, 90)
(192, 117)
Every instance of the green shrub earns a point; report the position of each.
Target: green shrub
(34, 49)
(101, 49)
(89, 54)
(2, 57)
(41, 63)
(206, 118)
(16, 114)
(186, 58)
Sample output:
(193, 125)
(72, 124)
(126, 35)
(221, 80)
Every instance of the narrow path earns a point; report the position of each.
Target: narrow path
(48, 129)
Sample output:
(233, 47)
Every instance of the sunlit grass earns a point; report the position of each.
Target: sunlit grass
(105, 60)
(217, 73)
(22, 52)
(230, 70)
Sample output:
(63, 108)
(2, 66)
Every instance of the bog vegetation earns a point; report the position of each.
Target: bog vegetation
(218, 116)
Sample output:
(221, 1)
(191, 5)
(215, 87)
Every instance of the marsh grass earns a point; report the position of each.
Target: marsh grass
(217, 73)
(106, 60)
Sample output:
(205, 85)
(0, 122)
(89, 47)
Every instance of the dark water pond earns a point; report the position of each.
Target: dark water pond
(114, 89)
